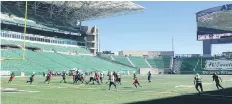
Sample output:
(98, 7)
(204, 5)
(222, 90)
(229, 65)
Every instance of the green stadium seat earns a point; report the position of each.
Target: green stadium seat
(139, 62)
(161, 62)
(49, 47)
(18, 65)
(39, 61)
(122, 59)
(190, 63)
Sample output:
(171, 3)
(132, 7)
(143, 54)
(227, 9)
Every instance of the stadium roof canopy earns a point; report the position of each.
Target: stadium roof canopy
(69, 12)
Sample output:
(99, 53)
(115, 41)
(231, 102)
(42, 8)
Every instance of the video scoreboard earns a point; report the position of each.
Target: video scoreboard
(215, 23)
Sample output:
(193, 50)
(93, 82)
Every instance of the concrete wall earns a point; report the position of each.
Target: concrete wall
(149, 53)
(92, 38)
(144, 71)
(133, 53)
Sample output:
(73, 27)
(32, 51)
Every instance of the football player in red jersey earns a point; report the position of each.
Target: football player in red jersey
(48, 78)
(11, 77)
(136, 81)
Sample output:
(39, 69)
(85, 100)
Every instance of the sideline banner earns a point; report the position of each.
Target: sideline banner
(218, 65)
(144, 71)
(219, 72)
(2, 73)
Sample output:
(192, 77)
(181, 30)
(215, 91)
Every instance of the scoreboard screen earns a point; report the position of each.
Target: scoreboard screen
(215, 23)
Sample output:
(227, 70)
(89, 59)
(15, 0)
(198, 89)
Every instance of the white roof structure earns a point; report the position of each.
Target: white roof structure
(87, 10)
(71, 12)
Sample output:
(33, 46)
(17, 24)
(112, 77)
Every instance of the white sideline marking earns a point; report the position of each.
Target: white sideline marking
(207, 83)
(22, 85)
(126, 90)
(121, 90)
(77, 87)
(32, 91)
(54, 86)
(184, 86)
(39, 86)
(14, 89)
(8, 89)
(167, 92)
(87, 88)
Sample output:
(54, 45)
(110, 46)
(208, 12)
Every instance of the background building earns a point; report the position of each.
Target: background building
(146, 53)
(92, 41)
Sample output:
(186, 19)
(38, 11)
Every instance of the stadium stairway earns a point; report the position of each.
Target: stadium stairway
(123, 60)
(160, 63)
(147, 62)
(177, 62)
(130, 61)
(112, 58)
(116, 61)
(139, 62)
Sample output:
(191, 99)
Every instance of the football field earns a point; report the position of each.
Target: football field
(161, 87)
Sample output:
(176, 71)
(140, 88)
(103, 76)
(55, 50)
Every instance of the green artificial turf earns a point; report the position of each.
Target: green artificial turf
(162, 86)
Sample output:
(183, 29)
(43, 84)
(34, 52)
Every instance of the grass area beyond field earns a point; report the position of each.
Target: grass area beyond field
(162, 86)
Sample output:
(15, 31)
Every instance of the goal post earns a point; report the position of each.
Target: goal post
(25, 31)
(24, 37)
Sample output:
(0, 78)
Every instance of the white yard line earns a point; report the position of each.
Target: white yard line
(77, 87)
(14, 90)
(185, 86)
(38, 86)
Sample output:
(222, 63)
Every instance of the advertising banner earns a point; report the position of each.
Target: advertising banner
(218, 65)
(2, 73)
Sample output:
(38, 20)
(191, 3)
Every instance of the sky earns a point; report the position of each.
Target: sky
(153, 29)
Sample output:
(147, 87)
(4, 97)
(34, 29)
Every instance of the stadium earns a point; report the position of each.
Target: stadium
(47, 37)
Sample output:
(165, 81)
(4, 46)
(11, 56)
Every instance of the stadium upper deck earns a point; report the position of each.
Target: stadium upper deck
(69, 13)
(62, 19)
(52, 35)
